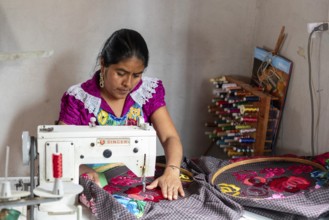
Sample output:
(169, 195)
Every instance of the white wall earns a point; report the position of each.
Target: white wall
(189, 42)
(295, 131)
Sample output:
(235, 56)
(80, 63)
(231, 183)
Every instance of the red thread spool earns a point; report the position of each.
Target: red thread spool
(249, 119)
(57, 166)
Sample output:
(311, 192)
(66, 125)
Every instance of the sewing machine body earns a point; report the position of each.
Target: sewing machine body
(95, 145)
(134, 146)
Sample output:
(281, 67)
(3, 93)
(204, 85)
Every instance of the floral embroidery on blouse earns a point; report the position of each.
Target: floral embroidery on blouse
(135, 111)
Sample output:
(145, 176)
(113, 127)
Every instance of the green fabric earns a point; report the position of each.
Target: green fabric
(9, 214)
(102, 179)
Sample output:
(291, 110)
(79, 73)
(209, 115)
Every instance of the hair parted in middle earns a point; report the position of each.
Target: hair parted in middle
(124, 44)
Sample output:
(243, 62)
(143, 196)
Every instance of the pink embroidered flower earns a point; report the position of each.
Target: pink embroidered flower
(257, 191)
(154, 195)
(299, 169)
(290, 184)
(85, 176)
(256, 181)
(244, 174)
(111, 189)
(128, 180)
(93, 207)
(321, 159)
(89, 204)
(277, 196)
(83, 200)
(270, 172)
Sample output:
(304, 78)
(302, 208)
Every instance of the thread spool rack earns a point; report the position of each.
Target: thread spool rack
(244, 120)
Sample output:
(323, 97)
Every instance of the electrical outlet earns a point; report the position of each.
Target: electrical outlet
(311, 26)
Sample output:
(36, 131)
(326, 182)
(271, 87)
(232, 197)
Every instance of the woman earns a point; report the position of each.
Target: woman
(118, 94)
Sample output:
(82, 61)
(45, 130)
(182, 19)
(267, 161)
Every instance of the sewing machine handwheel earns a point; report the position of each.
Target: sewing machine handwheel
(27, 144)
(107, 153)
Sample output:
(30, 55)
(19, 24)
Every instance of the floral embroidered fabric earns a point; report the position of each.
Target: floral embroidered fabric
(204, 201)
(270, 179)
(127, 188)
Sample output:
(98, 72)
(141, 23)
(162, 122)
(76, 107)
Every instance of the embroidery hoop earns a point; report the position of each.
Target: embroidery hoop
(216, 177)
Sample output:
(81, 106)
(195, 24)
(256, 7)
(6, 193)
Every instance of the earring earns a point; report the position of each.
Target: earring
(101, 80)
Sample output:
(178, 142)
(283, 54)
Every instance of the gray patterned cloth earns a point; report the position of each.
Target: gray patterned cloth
(201, 202)
(204, 201)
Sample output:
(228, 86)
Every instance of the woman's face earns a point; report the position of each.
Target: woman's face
(121, 78)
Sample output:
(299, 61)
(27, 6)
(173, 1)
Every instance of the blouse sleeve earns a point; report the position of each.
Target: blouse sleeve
(156, 101)
(73, 111)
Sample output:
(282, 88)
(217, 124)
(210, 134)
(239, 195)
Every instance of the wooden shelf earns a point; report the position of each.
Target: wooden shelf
(263, 115)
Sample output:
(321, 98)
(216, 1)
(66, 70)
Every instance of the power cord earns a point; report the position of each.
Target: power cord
(321, 27)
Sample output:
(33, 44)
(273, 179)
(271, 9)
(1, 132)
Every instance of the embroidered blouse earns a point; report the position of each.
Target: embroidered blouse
(83, 101)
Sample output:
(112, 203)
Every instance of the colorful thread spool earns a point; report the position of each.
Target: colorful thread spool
(210, 124)
(212, 135)
(223, 125)
(221, 79)
(216, 130)
(227, 85)
(242, 93)
(221, 134)
(227, 105)
(234, 153)
(221, 112)
(220, 102)
(219, 92)
(233, 134)
(224, 146)
(219, 121)
(245, 131)
(247, 140)
(232, 89)
(229, 140)
(244, 109)
(232, 110)
(249, 119)
(214, 100)
(239, 127)
(237, 104)
(57, 165)
(251, 98)
(231, 99)
(232, 131)
(230, 127)
(219, 142)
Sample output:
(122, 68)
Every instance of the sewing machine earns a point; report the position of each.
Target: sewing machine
(135, 146)
(131, 145)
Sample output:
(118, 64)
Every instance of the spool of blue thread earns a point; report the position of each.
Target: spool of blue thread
(247, 140)
(220, 142)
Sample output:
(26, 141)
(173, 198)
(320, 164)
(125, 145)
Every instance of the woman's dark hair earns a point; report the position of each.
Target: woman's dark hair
(123, 44)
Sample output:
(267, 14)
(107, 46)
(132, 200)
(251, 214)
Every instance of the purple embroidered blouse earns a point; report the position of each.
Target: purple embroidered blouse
(83, 101)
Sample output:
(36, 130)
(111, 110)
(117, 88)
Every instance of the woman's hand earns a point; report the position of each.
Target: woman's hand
(92, 174)
(169, 183)
(94, 177)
